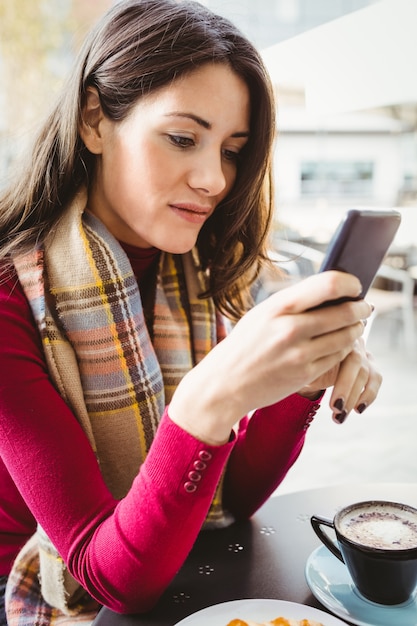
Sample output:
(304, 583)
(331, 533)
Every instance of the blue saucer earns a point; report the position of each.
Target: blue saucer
(332, 585)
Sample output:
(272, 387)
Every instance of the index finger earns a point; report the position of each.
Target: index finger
(316, 290)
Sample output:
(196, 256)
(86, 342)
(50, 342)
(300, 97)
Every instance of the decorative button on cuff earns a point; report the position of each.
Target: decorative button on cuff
(310, 415)
(195, 475)
(205, 455)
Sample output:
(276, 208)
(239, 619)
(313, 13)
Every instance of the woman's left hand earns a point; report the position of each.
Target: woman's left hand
(356, 383)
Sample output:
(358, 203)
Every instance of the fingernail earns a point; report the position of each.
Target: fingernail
(339, 404)
(340, 417)
(361, 407)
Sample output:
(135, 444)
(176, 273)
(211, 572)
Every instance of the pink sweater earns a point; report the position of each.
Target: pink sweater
(124, 552)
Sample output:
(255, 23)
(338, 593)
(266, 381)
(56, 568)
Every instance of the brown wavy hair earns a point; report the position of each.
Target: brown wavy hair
(136, 48)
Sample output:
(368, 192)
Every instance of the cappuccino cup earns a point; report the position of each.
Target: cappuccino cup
(377, 541)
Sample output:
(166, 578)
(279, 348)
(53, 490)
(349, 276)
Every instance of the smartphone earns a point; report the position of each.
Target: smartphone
(360, 244)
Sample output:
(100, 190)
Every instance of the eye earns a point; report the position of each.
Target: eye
(181, 141)
(232, 155)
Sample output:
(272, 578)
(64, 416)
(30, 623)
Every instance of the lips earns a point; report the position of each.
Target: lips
(192, 208)
(191, 212)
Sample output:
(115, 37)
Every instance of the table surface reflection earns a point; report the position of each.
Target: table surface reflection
(261, 558)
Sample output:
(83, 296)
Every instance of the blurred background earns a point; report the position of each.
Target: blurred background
(346, 88)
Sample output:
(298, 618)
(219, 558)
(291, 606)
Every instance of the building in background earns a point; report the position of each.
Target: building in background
(354, 139)
(326, 165)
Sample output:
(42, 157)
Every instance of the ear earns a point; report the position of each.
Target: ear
(91, 117)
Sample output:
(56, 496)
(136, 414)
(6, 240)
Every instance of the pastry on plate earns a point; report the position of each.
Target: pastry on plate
(278, 621)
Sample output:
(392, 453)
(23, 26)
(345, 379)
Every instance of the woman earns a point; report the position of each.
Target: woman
(137, 227)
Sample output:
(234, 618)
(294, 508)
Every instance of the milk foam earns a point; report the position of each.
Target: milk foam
(381, 526)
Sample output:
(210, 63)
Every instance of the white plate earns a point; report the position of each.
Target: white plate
(258, 610)
(330, 582)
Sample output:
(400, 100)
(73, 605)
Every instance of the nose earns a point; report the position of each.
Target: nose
(208, 175)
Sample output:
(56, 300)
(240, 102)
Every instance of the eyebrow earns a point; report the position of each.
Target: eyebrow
(201, 122)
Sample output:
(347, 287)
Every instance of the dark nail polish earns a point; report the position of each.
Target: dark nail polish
(339, 404)
(361, 407)
(340, 417)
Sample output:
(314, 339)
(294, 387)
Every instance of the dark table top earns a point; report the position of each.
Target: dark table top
(261, 558)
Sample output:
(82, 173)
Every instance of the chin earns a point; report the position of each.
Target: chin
(177, 247)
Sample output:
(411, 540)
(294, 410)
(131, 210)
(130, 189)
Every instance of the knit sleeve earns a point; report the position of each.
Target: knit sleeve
(269, 442)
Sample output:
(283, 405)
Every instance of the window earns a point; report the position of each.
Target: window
(349, 178)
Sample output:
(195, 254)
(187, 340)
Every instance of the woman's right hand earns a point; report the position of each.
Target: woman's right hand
(277, 348)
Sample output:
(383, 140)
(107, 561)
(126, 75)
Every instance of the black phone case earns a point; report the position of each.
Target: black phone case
(360, 244)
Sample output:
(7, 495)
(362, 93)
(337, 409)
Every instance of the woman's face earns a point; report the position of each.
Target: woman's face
(164, 169)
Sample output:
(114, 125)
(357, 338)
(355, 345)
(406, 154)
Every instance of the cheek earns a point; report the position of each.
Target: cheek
(125, 171)
(141, 163)
(230, 175)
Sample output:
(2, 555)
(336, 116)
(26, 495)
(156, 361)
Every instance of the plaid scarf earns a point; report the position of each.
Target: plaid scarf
(88, 309)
